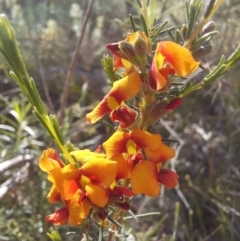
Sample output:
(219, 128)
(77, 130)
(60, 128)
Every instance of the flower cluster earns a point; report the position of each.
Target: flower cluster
(131, 161)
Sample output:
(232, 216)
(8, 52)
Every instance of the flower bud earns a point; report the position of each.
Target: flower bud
(59, 217)
(114, 48)
(124, 115)
(203, 50)
(209, 27)
(128, 52)
(140, 48)
(184, 31)
(178, 36)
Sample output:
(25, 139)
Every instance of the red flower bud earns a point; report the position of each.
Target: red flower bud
(114, 48)
(59, 217)
(124, 115)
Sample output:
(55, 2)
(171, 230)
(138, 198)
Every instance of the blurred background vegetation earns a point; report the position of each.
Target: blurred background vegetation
(206, 126)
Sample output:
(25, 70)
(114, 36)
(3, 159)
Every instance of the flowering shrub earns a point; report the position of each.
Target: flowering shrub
(148, 80)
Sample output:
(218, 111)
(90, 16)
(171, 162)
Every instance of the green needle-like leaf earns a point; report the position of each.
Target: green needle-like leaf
(132, 23)
(144, 25)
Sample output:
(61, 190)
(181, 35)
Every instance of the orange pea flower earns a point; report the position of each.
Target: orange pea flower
(128, 150)
(171, 58)
(131, 142)
(122, 90)
(78, 188)
(91, 178)
(74, 210)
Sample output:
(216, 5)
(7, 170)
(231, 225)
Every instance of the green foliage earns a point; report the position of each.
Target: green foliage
(18, 130)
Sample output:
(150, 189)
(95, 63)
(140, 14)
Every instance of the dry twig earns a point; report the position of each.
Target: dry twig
(73, 64)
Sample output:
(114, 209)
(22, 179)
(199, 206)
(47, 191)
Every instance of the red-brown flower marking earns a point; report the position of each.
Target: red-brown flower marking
(171, 58)
(122, 90)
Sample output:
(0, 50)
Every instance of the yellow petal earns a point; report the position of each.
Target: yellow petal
(100, 171)
(127, 87)
(132, 37)
(123, 170)
(122, 90)
(144, 179)
(99, 111)
(97, 194)
(54, 195)
(49, 160)
(84, 156)
(179, 57)
(116, 144)
(154, 148)
(78, 210)
(66, 181)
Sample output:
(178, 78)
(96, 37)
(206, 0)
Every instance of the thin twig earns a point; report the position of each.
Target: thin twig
(177, 148)
(73, 63)
(212, 233)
